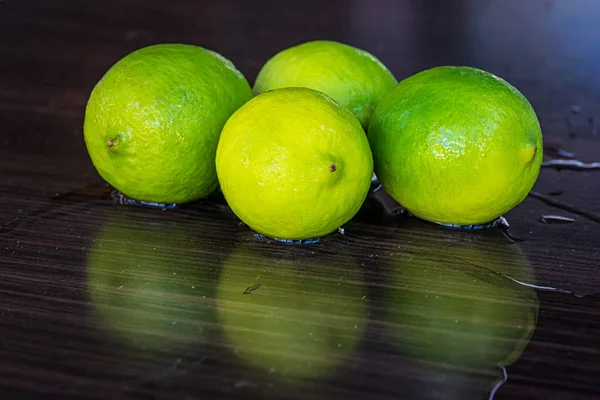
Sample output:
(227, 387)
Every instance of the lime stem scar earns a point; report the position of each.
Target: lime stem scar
(332, 168)
(110, 143)
(529, 153)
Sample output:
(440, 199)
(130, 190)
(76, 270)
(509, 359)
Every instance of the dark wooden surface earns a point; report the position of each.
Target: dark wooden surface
(101, 301)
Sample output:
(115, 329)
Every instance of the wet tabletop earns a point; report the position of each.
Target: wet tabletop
(105, 301)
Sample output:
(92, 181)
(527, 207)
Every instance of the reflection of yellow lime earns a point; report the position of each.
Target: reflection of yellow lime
(145, 281)
(303, 314)
(353, 77)
(152, 123)
(450, 304)
(293, 164)
(456, 145)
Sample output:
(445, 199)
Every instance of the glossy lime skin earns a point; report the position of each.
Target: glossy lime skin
(456, 145)
(293, 164)
(353, 77)
(153, 121)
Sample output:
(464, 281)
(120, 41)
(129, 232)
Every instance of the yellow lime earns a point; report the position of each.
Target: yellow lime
(353, 77)
(294, 164)
(456, 145)
(152, 123)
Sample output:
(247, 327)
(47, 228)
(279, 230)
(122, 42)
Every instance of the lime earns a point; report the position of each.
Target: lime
(294, 314)
(294, 164)
(152, 123)
(353, 77)
(456, 145)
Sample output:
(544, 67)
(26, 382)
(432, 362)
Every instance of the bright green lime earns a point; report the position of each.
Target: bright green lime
(456, 145)
(353, 77)
(153, 121)
(294, 164)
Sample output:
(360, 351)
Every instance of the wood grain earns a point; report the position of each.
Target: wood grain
(105, 301)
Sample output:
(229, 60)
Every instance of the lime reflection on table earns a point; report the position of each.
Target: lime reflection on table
(450, 303)
(293, 312)
(152, 278)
